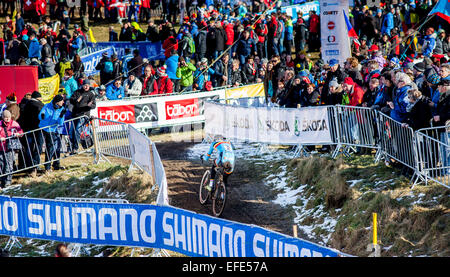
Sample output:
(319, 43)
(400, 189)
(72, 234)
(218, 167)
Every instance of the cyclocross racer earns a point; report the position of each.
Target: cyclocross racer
(225, 159)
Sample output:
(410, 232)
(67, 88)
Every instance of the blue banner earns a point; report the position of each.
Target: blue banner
(142, 225)
(148, 50)
(90, 61)
(294, 10)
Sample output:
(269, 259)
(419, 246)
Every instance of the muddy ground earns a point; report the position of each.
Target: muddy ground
(249, 200)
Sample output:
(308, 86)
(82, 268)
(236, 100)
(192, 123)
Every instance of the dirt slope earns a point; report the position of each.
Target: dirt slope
(248, 202)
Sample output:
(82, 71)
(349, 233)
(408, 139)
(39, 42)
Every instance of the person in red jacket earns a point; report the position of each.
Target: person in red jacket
(229, 31)
(355, 92)
(314, 29)
(170, 44)
(261, 32)
(145, 10)
(164, 84)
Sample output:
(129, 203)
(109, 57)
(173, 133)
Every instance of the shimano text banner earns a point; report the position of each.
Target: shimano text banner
(143, 225)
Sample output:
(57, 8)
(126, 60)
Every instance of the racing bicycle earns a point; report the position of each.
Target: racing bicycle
(218, 193)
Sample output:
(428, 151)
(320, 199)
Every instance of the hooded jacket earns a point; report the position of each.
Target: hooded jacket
(12, 127)
(52, 117)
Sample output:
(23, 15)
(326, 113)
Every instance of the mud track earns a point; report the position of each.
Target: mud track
(248, 201)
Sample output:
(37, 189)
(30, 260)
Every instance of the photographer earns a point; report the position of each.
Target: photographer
(185, 72)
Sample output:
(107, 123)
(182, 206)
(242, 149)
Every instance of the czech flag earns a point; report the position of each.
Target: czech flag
(442, 9)
(351, 31)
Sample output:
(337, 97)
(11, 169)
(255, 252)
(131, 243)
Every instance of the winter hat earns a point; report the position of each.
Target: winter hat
(102, 87)
(434, 79)
(58, 98)
(162, 71)
(419, 67)
(374, 47)
(11, 97)
(333, 62)
(349, 81)
(204, 60)
(86, 82)
(36, 94)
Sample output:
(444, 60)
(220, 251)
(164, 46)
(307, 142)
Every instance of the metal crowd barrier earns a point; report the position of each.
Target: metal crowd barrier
(397, 141)
(433, 154)
(355, 127)
(44, 147)
(111, 139)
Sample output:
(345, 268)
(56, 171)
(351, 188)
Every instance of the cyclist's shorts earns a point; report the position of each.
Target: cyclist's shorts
(226, 156)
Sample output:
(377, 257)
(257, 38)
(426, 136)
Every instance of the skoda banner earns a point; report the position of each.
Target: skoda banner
(334, 36)
(269, 125)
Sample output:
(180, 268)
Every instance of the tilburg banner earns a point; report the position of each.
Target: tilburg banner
(143, 225)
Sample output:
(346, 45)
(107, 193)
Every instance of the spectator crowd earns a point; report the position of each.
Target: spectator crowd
(399, 63)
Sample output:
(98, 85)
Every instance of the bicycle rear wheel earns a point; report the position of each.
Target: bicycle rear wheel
(203, 193)
(220, 199)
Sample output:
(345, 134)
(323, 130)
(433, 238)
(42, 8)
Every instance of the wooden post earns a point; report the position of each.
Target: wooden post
(94, 137)
(294, 227)
(152, 160)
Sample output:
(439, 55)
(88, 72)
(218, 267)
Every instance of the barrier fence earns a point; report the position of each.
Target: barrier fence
(426, 152)
(44, 146)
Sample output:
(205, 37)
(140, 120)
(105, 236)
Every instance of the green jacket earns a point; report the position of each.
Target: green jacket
(186, 74)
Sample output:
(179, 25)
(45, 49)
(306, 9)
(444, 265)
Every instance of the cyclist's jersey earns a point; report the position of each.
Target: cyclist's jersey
(225, 154)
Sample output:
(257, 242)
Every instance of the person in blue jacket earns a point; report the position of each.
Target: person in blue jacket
(69, 83)
(428, 42)
(34, 50)
(51, 119)
(225, 158)
(171, 70)
(245, 47)
(76, 44)
(399, 99)
(388, 24)
(115, 91)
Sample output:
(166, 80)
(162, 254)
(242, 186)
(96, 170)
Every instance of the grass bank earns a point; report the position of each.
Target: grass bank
(411, 221)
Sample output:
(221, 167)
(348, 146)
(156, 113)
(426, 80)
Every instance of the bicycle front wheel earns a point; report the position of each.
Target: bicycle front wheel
(203, 193)
(219, 199)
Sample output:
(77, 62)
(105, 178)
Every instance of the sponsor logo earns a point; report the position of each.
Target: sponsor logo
(273, 126)
(123, 114)
(332, 52)
(331, 39)
(314, 125)
(330, 4)
(330, 12)
(242, 123)
(146, 112)
(182, 108)
(331, 25)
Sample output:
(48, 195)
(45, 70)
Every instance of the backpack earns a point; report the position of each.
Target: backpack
(280, 30)
(108, 67)
(63, 66)
(191, 46)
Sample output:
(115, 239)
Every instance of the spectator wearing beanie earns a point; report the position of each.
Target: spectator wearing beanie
(355, 93)
(164, 84)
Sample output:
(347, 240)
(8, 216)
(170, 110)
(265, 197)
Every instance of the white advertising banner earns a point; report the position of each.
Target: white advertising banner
(335, 42)
(269, 125)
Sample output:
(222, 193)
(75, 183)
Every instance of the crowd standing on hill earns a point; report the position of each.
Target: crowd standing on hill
(399, 62)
